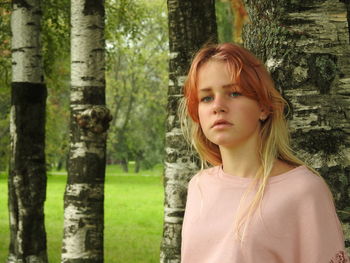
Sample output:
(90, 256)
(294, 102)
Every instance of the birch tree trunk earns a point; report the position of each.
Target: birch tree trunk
(84, 195)
(305, 45)
(191, 25)
(27, 176)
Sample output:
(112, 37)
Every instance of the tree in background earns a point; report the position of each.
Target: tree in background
(84, 194)
(56, 51)
(305, 45)
(136, 32)
(136, 80)
(27, 177)
(191, 25)
(5, 83)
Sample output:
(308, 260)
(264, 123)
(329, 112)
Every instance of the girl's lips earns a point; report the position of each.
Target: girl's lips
(221, 124)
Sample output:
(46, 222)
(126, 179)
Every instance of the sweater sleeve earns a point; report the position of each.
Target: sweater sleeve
(320, 234)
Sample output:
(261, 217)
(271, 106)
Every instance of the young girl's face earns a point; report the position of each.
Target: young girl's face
(227, 118)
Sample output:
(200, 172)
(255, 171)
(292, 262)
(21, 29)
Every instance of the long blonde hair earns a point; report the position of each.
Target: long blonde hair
(256, 83)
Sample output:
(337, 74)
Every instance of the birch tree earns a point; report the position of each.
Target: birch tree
(191, 25)
(27, 177)
(84, 195)
(305, 45)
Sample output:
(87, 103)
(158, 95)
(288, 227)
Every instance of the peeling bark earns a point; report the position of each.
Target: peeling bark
(84, 195)
(305, 45)
(191, 25)
(27, 176)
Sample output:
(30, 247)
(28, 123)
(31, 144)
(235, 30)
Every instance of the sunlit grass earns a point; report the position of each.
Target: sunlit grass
(4, 220)
(133, 215)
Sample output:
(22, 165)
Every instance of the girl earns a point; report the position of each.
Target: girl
(258, 203)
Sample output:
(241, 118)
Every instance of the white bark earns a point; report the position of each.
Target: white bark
(76, 95)
(26, 54)
(86, 34)
(80, 149)
(30, 259)
(328, 27)
(74, 216)
(83, 213)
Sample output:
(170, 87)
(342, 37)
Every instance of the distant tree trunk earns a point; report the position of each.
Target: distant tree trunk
(191, 25)
(27, 176)
(137, 166)
(124, 163)
(138, 160)
(59, 165)
(305, 45)
(84, 195)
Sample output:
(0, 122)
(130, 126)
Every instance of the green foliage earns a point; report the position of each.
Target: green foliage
(55, 35)
(224, 20)
(5, 82)
(123, 19)
(56, 48)
(137, 83)
(57, 114)
(136, 40)
(133, 216)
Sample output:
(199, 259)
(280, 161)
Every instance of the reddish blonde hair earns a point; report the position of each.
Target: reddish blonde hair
(249, 73)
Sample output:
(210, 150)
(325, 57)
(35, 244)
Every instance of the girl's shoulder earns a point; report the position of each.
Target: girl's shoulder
(301, 184)
(211, 171)
(299, 206)
(300, 176)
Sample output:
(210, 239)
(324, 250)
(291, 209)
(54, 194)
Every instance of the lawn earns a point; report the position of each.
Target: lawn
(133, 215)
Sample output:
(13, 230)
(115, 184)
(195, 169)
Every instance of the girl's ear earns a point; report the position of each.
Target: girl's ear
(264, 114)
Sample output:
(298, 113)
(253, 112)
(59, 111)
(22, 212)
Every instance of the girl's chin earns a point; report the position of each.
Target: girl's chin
(224, 142)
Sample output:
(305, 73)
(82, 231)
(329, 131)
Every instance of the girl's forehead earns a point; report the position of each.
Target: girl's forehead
(231, 67)
(211, 65)
(212, 72)
(215, 72)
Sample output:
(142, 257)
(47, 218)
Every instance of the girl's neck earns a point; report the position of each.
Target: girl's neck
(245, 163)
(242, 161)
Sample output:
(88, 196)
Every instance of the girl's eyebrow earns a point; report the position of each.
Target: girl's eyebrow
(226, 86)
(230, 85)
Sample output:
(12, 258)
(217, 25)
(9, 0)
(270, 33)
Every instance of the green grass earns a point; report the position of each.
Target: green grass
(133, 215)
(4, 220)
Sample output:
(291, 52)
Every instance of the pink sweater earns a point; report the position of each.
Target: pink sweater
(298, 223)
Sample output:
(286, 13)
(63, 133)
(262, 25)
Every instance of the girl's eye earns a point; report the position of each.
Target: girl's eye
(206, 99)
(235, 94)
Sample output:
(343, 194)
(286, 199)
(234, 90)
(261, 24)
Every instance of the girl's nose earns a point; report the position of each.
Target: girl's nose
(219, 106)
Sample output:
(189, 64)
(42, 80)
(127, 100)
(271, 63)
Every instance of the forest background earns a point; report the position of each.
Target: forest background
(136, 79)
(136, 90)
